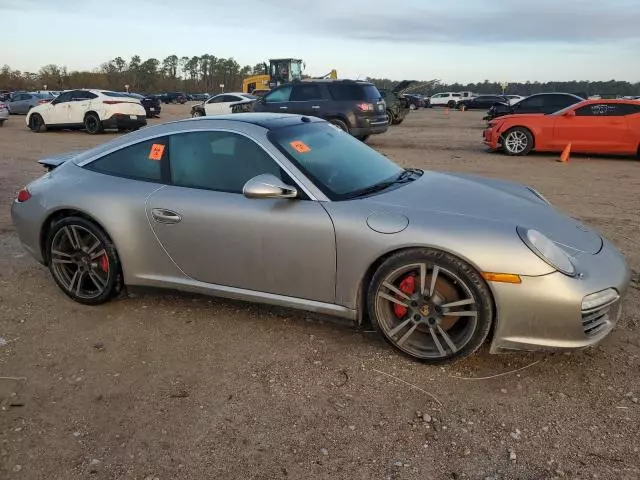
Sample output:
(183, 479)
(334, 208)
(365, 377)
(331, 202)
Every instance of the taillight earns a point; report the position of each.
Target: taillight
(40, 102)
(114, 102)
(365, 107)
(23, 195)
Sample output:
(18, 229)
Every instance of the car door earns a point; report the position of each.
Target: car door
(594, 128)
(78, 106)
(18, 104)
(215, 105)
(276, 101)
(229, 102)
(306, 99)
(56, 112)
(216, 235)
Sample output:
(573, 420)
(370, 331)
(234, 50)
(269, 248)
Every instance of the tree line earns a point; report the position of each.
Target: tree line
(205, 73)
(582, 88)
(197, 74)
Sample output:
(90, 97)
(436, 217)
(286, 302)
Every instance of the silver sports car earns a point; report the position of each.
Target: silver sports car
(288, 210)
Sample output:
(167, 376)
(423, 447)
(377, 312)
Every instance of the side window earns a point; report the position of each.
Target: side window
(141, 161)
(532, 102)
(221, 161)
(600, 110)
(63, 97)
(629, 108)
(303, 93)
(562, 101)
(280, 95)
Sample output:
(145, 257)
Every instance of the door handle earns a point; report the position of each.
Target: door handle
(284, 108)
(161, 215)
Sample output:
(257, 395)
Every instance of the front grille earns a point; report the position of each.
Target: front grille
(596, 320)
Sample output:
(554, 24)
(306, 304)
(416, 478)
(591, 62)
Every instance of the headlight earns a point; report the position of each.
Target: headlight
(547, 250)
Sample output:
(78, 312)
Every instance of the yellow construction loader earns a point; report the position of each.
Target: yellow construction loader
(279, 71)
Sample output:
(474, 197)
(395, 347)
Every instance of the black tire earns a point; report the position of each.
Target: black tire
(390, 118)
(113, 269)
(197, 113)
(340, 124)
(363, 138)
(1, 123)
(455, 279)
(92, 124)
(398, 122)
(517, 141)
(36, 123)
(451, 104)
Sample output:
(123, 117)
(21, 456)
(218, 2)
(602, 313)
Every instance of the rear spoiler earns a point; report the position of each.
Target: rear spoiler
(51, 163)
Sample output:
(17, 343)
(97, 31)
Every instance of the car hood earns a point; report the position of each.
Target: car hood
(522, 115)
(494, 201)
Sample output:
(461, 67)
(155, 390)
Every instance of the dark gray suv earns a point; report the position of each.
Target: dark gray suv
(353, 106)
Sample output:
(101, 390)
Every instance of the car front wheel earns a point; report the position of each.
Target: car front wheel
(430, 305)
(36, 123)
(83, 261)
(517, 141)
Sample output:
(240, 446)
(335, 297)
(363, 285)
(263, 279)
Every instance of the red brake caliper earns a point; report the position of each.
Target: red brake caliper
(407, 285)
(104, 263)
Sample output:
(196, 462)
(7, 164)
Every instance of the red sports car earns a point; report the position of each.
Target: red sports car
(591, 126)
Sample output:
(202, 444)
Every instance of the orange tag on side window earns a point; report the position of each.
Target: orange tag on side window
(157, 149)
(300, 147)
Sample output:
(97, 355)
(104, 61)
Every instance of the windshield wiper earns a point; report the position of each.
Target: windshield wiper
(404, 177)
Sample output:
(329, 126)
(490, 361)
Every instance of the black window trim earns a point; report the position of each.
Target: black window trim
(165, 168)
(321, 99)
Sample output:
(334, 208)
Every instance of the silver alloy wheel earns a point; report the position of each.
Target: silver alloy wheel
(197, 113)
(79, 261)
(440, 316)
(516, 141)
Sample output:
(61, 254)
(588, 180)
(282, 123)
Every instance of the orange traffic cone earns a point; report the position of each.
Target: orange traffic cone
(564, 156)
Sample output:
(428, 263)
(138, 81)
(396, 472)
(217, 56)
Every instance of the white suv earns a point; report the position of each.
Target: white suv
(445, 99)
(92, 110)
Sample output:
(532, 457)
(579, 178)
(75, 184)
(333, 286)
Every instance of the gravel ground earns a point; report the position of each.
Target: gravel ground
(172, 386)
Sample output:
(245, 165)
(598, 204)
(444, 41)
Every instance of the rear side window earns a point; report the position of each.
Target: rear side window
(607, 110)
(303, 93)
(349, 92)
(562, 101)
(141, 161)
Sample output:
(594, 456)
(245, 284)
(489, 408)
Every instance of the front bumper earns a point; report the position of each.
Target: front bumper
(124, 122)
(545, 312)
(491, 138)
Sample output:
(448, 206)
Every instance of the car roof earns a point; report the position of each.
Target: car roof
(332, 80)
(270, 121)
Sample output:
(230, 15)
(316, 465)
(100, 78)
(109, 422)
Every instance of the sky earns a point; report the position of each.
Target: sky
(453, 41)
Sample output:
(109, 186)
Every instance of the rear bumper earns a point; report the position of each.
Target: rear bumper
(545, 312)
(121, 121)
(370, 126)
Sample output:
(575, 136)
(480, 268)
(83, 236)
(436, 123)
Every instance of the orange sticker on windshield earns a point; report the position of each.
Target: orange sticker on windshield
(157, 149)
(300, 147)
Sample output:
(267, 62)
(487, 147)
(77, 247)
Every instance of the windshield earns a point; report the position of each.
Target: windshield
(340, 165)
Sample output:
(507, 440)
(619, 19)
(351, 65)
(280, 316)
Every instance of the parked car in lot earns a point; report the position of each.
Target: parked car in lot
(199, 97)
(5, 95)
(151, 104)
(4, 113)
(398, 104)
(415, 101)
(173, 97)
(353, 106)
(539, 103)
(590, 126)
(91, 110)
(513, 99)
(21, 102)
(288, 210)
(223, 104)
(481, 102)
(445, 99)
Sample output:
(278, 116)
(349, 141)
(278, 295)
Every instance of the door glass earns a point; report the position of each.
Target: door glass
(280, 95)
(303, 93)
(600, 110)
(221, 161)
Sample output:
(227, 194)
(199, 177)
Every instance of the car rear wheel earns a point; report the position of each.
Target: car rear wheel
(36, 123)
(92, 124)
(340, 124)
(390, 118)
(517, 141)
(83, 261)
(430, 305)
(451, 104)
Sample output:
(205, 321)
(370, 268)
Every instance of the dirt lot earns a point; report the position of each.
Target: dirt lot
(171, 386)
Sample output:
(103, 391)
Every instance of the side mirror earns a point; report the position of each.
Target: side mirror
(569, 114)
(268, 186)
